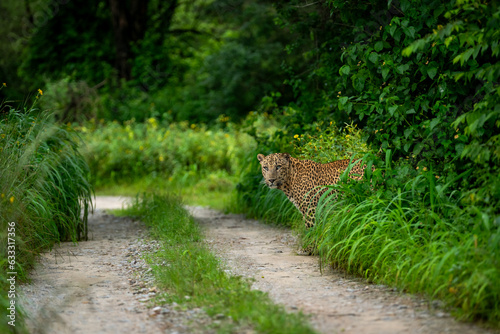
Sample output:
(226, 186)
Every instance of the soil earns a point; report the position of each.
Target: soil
(103, 285)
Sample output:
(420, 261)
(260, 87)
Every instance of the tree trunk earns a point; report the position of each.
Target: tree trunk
(129, 24)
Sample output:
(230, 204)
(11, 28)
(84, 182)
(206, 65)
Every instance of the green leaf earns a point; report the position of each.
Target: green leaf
(373, 57)
(418, 148)
(379, 46)
(410, 31)
(393, 109)
(392, 29)
(359, 83)
(385, 72)
(465, 56)
(345, 70)
(431, 72)
(402, 68)
(435, 122)
(411, 111)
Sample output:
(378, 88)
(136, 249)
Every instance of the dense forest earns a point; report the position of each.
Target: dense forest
(186, 93)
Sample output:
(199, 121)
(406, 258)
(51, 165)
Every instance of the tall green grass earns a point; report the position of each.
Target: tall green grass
(184, 266)
(44, 188)
(419, 237)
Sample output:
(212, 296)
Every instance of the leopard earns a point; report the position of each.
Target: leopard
(304, 181)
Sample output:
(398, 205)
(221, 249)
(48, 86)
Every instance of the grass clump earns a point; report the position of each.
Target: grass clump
(418, 236)
(189, 269)
(44, 190)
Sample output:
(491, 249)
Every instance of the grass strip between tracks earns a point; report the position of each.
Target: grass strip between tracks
(192, 276)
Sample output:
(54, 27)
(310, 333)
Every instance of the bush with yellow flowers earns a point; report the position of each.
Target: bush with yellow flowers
(327, 143)
(133, 150)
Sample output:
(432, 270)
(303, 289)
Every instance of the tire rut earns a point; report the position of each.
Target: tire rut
(102, 285)
(335, 302)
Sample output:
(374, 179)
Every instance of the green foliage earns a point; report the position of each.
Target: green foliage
(44, 187)
(331, 143)
(70, 100)
(128, 152)
(199, 59)
(471, 39)
(84, 51)
(428, 92)
(415, 236)
(195, 272)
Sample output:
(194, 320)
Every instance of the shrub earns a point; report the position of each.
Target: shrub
(131, 151)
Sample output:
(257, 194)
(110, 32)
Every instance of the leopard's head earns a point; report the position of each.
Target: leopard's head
(275, 169)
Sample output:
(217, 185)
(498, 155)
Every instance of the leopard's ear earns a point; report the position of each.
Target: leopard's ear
(286, 156)
(260, 157)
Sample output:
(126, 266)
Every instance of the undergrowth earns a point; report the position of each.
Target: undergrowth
(180, 153)
(417, 236)
(193, 277)
(45, 196)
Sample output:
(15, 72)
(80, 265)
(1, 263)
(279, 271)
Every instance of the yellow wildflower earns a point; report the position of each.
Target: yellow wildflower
(456, 136)
(2, 195)
(425, 169)
(452, 290)
(4, 84)
(11, 199)
(40, 91)
(296, 136)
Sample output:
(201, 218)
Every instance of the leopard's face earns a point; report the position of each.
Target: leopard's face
(275, 169)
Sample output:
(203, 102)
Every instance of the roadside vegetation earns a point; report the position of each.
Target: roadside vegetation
(45, 196)
(192, 276)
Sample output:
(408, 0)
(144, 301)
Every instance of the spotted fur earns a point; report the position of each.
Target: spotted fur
(301, 180)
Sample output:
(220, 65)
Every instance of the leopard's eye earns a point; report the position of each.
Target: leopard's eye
(265, 168)
(278, 167)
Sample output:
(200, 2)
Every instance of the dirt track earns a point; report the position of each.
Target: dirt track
(336, 303)
(103, 286)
